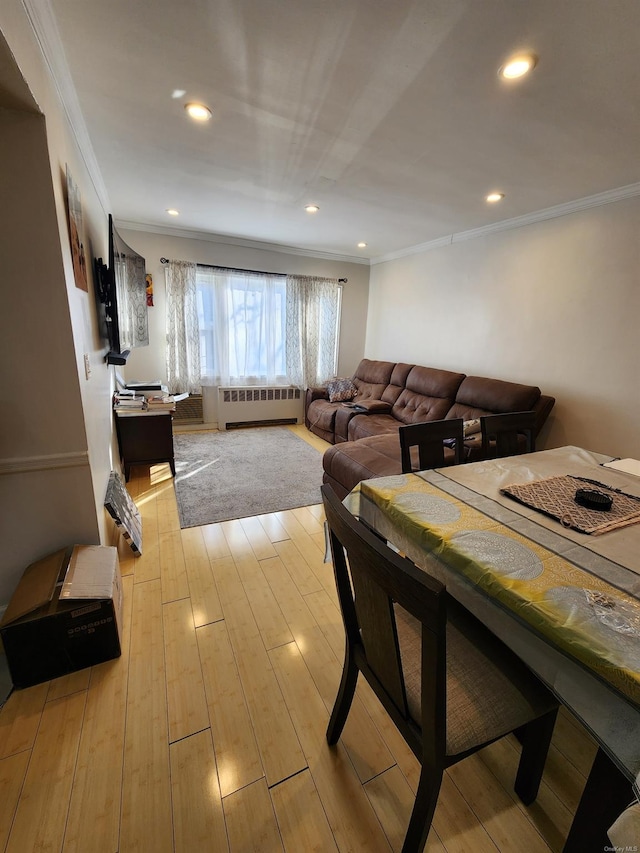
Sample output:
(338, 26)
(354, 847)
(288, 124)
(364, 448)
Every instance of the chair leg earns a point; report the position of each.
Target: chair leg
(423, 809)
(605, 796)
(344, 698)
(536, 739)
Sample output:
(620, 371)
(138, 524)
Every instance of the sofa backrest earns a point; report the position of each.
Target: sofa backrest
(478, 395)
(397, 382)
(427, 396)
(372, 377)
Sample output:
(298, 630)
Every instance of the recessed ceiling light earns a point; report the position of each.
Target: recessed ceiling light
(198, 111)
(362, 245)
(492, 198)
(312, 208)
(172, 211)
(518, 66)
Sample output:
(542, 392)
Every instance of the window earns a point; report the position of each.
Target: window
(228, 326)
(242, 321)
(259, 328)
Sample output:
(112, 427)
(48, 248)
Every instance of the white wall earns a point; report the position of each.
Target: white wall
(556, 304)
(149, 362)
(56, 434)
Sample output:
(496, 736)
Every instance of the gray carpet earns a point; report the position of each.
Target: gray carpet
(237, 473)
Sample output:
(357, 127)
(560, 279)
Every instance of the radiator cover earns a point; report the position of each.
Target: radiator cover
(189, 411)
(245, 406)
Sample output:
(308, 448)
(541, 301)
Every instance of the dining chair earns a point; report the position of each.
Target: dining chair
(502, 435)
(449, 685)
(429, 438)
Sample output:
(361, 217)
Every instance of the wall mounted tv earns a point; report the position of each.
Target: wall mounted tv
(122, 298)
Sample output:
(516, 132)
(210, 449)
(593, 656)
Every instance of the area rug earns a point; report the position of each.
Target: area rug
(238, 473)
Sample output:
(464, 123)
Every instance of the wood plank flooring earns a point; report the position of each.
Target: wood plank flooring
(207, 734)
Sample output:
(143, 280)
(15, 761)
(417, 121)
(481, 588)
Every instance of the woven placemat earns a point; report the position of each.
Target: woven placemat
(555, 497)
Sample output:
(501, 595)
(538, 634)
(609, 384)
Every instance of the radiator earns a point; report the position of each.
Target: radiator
(189, 411)
(242, 406)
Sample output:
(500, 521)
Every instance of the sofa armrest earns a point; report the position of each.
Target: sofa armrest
(542, 409)
(311, 395)
(370, 407)
(316, 394)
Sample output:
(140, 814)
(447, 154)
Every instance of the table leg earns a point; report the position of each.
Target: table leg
(606, 795)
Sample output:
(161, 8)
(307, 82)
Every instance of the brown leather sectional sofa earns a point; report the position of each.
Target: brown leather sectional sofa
(367, 445)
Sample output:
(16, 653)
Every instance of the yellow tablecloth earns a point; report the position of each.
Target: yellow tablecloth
(587, 618)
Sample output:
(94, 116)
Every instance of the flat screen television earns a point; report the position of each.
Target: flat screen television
(122, 295)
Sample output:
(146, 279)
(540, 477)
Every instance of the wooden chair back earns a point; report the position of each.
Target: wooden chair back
(375, 587)
(429, 438)
(502, 435)
(370, 577)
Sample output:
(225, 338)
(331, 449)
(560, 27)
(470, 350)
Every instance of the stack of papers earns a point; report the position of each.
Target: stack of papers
(128, 403)
(160, 402)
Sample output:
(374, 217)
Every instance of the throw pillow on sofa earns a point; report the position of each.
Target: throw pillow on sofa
(341, 389)
(471, 427)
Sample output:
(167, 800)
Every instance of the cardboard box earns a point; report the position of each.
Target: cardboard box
(65, 614)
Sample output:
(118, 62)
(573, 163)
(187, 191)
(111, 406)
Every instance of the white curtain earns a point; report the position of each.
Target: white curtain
(183, 333)
(313, 311)
(235, 327)
(242, 318)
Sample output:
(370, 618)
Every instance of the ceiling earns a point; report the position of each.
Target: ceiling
(388, 114)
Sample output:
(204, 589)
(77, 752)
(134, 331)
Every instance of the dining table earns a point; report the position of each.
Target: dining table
(554, 578)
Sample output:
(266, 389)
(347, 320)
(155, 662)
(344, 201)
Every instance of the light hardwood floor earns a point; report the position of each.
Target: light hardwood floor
(207, 734)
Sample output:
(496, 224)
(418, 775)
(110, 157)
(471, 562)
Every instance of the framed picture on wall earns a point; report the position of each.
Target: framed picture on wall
(74, 210)
(149, 286)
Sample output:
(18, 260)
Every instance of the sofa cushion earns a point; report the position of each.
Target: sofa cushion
(363, 426)
(349, 463)
(427, 396)
(479, 396)
(378, 456)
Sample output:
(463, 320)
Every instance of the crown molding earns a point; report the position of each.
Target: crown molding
(607, 197)
(45, 29)
(413, 250)
(237, 241)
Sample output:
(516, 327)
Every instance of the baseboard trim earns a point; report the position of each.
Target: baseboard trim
(178, 427)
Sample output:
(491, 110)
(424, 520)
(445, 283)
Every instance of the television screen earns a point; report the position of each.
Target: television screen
(122, 298)
(106, 305)
(128, 270)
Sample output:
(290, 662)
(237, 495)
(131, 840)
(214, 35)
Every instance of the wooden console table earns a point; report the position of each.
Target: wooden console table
(145, 438)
